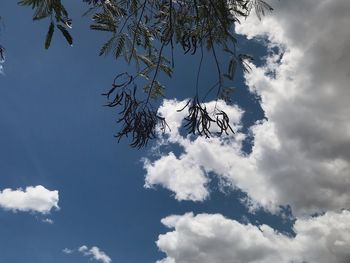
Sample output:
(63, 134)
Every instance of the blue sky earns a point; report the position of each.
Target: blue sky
(56, 133)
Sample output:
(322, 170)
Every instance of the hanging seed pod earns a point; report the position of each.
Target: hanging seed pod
(198, 121)
(137, 118)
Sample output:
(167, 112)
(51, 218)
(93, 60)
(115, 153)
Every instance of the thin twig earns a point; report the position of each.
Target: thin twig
(137, 28)
(155, 73)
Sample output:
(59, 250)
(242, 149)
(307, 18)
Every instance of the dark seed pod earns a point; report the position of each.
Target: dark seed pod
(137, 118)
(199, 122)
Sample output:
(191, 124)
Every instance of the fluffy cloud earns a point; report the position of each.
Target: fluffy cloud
(95, 253)
(301, 155)
(186, 175)
(32, 199)
(213, 238)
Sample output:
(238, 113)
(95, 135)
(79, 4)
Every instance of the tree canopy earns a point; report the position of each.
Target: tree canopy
(144, 33)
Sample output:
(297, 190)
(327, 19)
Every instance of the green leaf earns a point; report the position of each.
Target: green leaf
(146, 60)
(120, 46)
(49, 35)
(66, 34)
(166, 69)
(232, 68)
(104, 22)
(106, 48)
(33, 3)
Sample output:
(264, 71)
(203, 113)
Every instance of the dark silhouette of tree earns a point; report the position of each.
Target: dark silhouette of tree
(142, 32)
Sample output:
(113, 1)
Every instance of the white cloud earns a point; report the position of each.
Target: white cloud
(301, 155)
(95, 253)
(185, 175)
(83, 249)
(182, 176)
(48, 221)
(32, 199)
(67, 251)
(208, 238)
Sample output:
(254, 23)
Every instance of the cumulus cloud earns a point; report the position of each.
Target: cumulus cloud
(95, 253)
(301, 155)
(186, 175)
(211, 238)
(32, 199)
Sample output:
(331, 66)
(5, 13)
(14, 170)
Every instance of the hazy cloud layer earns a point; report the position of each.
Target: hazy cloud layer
(301, 155)
(213, 238)
(32, 199)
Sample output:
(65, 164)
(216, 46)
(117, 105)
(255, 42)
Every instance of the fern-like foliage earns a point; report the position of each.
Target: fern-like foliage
(142, 29)
(56, 12)
(142, 32)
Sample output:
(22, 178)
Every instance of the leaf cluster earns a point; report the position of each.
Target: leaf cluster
(144, 33)
(142, 29)
(56, 12)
